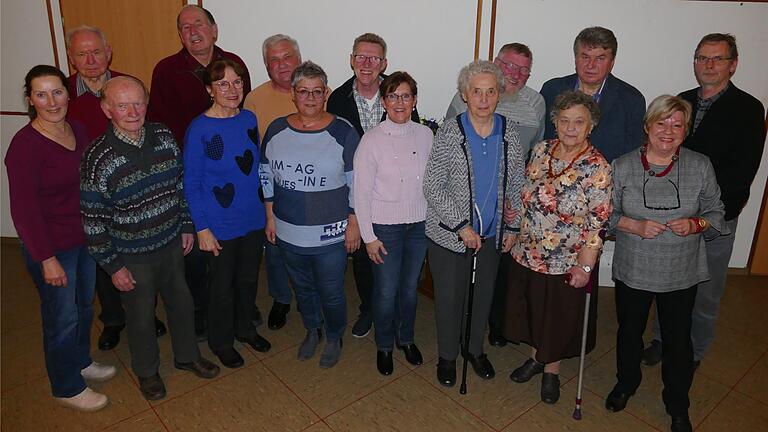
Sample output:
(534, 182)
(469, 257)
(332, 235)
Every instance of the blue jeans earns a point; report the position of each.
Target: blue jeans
(396, 282)
(319, 284)
(67, 314)
(277, 275)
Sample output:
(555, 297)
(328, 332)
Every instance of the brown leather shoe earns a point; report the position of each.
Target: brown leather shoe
(202, 367)
(152, 388)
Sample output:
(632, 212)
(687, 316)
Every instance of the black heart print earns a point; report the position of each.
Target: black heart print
(253, 134)
(245, 162)
(214, 148)
(224, 195)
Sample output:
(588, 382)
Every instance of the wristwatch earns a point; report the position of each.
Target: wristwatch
(586, 268)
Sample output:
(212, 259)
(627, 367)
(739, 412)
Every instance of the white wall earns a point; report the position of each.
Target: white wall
(433, 39)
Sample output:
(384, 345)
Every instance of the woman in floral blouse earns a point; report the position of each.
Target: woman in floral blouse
(566, 203)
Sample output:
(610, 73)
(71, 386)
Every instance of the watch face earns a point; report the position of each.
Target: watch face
(586, 268)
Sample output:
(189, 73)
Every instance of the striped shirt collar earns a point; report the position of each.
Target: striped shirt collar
(370, 116)
(83, 88)
(128, 140)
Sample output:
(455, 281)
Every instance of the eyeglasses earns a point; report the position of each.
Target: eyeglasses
(394, 97)
(303, 94)
(718, 60)
(224, 86)
(361, 59)
(661, 190)
(524, 70)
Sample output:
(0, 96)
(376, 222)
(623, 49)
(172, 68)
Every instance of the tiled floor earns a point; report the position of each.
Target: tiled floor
(276, 392)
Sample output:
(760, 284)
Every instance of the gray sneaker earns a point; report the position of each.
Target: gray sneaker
(363, 325)
(331, 354)
(309, 345)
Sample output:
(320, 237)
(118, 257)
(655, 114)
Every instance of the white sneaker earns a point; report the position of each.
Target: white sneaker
(87, 400)
(98, 372)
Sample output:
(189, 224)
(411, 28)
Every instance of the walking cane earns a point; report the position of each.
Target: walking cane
(468, 312)
(588, 288)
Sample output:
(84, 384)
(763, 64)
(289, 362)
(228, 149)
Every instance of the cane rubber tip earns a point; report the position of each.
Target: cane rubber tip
(463, 390)
(577, 414)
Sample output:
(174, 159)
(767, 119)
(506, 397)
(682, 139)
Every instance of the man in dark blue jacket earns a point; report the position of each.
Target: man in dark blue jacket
(621, 105)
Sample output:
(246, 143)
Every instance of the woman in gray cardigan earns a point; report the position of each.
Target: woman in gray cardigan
(475, 166)
(665, 199)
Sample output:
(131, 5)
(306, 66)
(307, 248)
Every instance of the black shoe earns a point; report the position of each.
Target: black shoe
(384, 362)
(363, 325)
(277, 315)
(257, 318)
(617, 400)
(257, 342)
(550, 388)
(152, 388)
(160, 328)
(681, 424)
(412, 354)
(202, 367)
(496, 339)
(110, 337)
(652, 354)
(446, 372)
(482, 366)
(230, 358)
(527, 371)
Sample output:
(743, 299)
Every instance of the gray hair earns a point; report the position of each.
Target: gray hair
(276, 39)
(479, 67)
(84, 28)
(572, 98)
(596, 37)
(370, 38)
(308, 70)
(729, 39)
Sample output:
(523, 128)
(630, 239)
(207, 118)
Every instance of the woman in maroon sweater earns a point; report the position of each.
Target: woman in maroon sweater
(43, 163)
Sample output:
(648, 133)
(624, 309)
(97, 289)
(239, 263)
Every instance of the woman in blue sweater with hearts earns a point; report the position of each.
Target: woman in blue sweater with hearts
(221, 184)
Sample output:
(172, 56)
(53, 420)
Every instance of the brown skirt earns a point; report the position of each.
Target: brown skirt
(548, 314)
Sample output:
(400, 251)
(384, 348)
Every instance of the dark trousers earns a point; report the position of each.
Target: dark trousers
(451, 273)
(164, 274)
(499, 302)
(363, 271)
(196, 277)
(234, 278)
(112, 313)
(674, 310)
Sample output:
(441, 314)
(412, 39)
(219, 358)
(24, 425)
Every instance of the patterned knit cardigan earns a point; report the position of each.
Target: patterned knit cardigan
(449, 182)
(131, 198)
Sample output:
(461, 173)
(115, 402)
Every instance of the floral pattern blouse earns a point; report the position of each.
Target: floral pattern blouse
(561, 215)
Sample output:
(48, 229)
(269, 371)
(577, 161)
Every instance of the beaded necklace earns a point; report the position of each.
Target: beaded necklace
(552, 175)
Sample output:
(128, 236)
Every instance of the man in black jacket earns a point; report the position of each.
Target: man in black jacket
(359, 102)
(728, 125)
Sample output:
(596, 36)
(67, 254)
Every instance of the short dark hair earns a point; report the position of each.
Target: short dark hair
(571, 98)
(215, 70)
(733, 51)
(393, 81)
(207, 13)
(38, 72)
(517, 47)
(596, 37)
(370, 38)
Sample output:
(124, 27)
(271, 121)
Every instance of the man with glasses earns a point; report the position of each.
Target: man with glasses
(728, 125)
(359, 102)
(622, 106)
(177, 96)
(271, 100)
(524, 107)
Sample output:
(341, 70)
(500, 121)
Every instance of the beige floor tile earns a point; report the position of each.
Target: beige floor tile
(755, 383)
(744, 304)
(178, 382)
(647, 404)
(31, 407)
(736, 413)
(252, 399)
(319, 427)
(287, 337)
(327, 390)
(408, 404)
(146, 421)
(559, 417)
(732, 353)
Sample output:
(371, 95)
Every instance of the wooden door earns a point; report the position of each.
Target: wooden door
(758, 261)
(141, 32)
